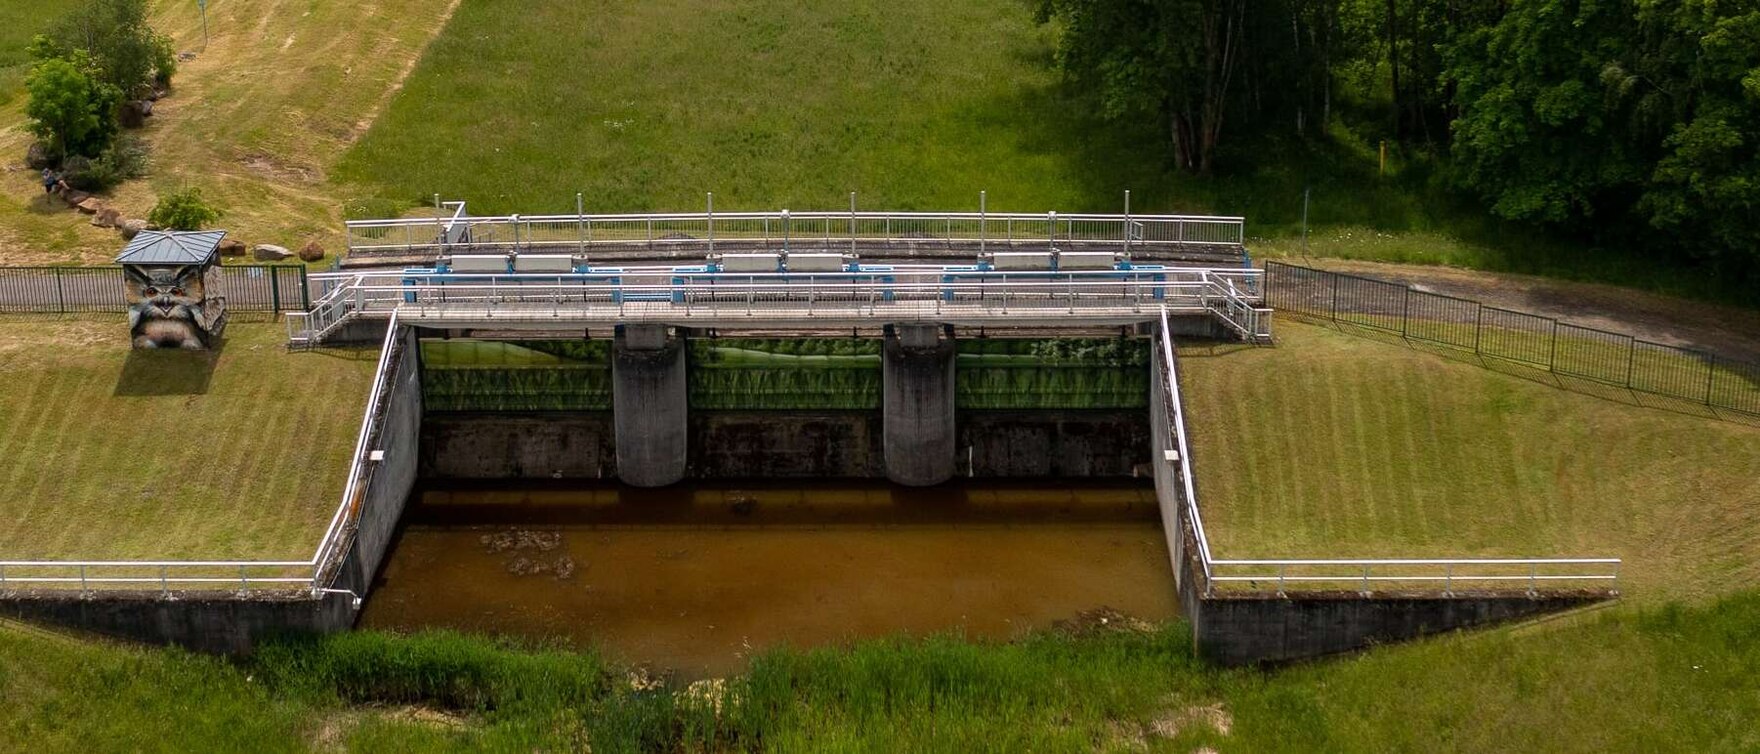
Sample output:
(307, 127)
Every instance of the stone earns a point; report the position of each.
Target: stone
(37, 156)
(131, 228)
(74, 196)
(133, 113)
(268, 252)
(311, 252)
(231, 247)
(91, 205)
(106, 217)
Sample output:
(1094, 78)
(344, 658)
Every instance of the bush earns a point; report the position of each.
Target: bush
(127, 52)
(125, 158)
(69, 109)
(183, 210)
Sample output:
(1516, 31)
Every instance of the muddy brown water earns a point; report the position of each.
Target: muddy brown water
(697, 578)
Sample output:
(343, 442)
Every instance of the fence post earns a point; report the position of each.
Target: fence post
(1631, 359)
(1478, 325)
(305, 291)
(274, 289)
(1710, 375)
(1334, 278)
(1405, 311)
(1552, 354)
(60, 294)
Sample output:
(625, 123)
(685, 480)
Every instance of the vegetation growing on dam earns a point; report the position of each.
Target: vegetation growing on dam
(535, 375)
(784, 373)
(1059, 373)
(1664, 679)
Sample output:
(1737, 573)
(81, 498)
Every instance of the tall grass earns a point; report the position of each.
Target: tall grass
(1669, 678)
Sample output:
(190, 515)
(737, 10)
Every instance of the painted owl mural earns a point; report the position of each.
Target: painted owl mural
(167, 278)
(167, 307)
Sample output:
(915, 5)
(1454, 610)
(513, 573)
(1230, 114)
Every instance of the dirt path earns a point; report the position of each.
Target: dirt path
(1729, 331)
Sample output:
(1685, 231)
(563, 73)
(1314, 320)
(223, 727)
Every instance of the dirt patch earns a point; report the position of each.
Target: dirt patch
(1170, 723)
(1728, 331)
(333, 731)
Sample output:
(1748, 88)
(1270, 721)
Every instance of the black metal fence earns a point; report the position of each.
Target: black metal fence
(1544, 342)
(261, 288)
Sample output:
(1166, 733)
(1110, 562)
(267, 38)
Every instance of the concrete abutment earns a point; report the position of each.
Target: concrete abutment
(917, 403)
(650, 406)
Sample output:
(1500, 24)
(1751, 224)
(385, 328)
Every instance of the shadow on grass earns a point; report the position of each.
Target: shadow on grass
(163, 371)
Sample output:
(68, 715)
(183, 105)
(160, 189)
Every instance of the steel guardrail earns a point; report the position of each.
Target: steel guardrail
(827, 229)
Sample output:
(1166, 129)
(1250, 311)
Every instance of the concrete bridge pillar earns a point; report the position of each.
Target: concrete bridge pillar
(917, 405)
(648, 405)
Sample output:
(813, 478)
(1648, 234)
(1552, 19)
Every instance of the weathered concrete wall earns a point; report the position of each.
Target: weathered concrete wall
(649, 400)
(1052, 443)
(393, 478)
(205, 622)
(223, 621)
(1247, 629)
(917, 402)
(549, 445)
(782, 444)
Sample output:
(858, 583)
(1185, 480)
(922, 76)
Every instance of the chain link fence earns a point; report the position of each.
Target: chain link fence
(64, 290)
(1534, 340)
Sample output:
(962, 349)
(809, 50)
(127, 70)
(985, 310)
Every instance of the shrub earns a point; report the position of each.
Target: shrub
(183, 210)
(125, 158)
(127, 52)
(70, 110)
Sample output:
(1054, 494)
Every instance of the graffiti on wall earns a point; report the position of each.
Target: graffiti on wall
(168, 307)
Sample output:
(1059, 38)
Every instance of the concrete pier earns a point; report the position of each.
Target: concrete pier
(917, 405)
(649, 406)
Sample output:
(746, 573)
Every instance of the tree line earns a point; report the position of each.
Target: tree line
(1629, 119)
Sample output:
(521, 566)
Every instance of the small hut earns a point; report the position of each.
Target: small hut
(170, 282)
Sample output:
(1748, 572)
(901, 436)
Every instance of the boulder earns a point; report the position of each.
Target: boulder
(91, 205)
(37, 157)
(231, 247)
(134, 113)
(311, 252)
(131, 228)
(268, 252)
(106, 217)
(74, 196)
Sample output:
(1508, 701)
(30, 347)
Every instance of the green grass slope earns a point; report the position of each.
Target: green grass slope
(914, 104)
(116, 454)
(1668, 679)
(1334, 445)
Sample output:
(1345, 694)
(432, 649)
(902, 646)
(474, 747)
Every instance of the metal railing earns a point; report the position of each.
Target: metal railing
(65, 290)
(167, 575)
(1363, 573)
(782, 229)
(1533, 340)
(898, 294)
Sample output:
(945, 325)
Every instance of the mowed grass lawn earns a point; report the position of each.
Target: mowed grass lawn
(1335, 445)
(646, 105)
(117, 454)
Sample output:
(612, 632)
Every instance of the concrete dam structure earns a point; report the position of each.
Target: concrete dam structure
(1050, 357)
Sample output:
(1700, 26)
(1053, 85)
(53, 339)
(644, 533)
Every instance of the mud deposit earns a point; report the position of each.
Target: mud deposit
(698, 578)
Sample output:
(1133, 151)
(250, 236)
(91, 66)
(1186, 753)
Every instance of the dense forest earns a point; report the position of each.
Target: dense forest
(1628, 122)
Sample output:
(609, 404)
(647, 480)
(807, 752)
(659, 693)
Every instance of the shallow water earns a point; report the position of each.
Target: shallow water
(696, 578)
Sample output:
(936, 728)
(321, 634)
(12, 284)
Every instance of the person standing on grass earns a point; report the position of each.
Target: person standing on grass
(49, 180)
